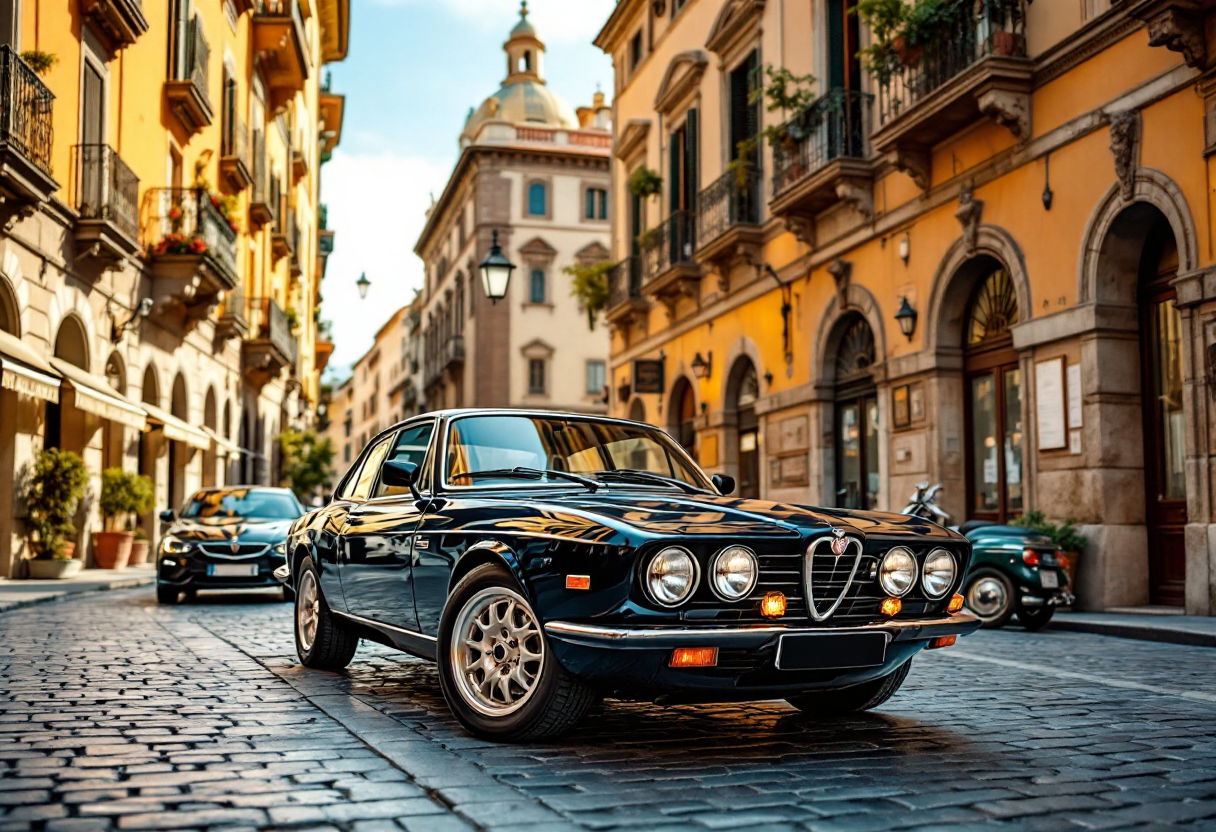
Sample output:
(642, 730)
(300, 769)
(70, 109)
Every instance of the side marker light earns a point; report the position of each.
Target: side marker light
(956, 604)
(694, 657)
(942, 641)
(773, 605)
(578, 582)
(891, 606)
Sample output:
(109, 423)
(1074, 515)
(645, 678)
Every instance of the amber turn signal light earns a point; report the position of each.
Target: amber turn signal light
(956, 604)
(773, 605)
(578, 582)
(891, 606)
(694, 657)
(942, 641)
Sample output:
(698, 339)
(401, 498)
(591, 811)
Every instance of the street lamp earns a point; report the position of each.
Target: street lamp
(906, 318)
(702, 368)
(496, 272)
(363, 283)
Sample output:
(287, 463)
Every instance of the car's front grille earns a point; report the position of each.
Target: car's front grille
(229, 550)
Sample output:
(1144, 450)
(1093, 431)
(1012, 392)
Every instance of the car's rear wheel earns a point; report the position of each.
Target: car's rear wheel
(990, 596)
(1036, 619)
(167, 594)
(498, 675)
(322, 642)
(855, 698)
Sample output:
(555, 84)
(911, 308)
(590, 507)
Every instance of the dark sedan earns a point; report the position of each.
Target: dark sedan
(225, 538)
(548, 560)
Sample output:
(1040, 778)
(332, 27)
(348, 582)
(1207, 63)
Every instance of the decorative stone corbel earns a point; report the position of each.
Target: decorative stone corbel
(859, 195)
(1179, 31)
(803, 228)
(842, 271)
(915, 163)
(1125, 146)
(1008, 108)
(969, 212)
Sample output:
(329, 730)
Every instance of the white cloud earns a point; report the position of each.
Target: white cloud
(377, 208)
(556, 21)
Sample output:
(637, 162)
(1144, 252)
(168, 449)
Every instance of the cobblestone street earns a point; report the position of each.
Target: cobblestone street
(120, 714)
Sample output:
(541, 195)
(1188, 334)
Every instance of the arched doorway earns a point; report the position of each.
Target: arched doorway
(856, 415)
(10, 316)
(148, 443)
(179, 452)
(1161, 347)
(637, 410)
(210, 456)
(114, 433)
(993, 397)
(67, 428)
(743, 389)
(683, 415)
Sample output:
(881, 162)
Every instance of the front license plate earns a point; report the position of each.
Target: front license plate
(1049, 578)
(232, 570)
(823, 652)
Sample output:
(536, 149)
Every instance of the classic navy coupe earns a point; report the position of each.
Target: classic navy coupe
(547, 560)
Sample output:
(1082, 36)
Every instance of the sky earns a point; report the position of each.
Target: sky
(414, 69)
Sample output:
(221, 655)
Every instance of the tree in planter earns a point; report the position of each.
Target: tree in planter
(590, 286)
(56, 485)
(142, 500)
(112, 545)
(307, 462)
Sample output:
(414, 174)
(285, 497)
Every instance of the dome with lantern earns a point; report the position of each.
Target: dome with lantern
(523, 98)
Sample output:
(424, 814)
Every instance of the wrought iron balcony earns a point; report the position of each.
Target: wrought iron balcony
(264, 200)
(192, 247)
(187, 90)
(25, 133)
(233, 321)
(930, 92)
(280, 41)
(234, 154)
(278, 229)
(450, 355)
(107, 198)
(272, 346)
(293, 243)
(625, 298)
(670, 244)
(729, 217)
(121, 21)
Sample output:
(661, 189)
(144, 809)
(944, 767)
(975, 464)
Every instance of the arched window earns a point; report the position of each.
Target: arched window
(536, 293)
(856, 424)
(116, 373)
(745, 389)
(10, 318)
(71, 343)
(537, 199)
(683, 415)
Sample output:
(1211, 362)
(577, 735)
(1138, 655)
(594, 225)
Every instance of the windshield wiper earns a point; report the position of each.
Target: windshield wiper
(632, 474)
(521, 472)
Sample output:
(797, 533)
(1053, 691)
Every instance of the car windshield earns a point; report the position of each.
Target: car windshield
(243, 504)
(484, 450)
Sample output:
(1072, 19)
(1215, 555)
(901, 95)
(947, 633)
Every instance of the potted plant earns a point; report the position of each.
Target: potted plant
(56, 485)
(888, 49)
(1065, 535)
(38, 61)
(590, 286)
(142, 501)
(644, 183)
(112, 546)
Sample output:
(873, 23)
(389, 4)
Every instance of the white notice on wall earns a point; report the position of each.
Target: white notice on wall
(1074, 395)
(1049, 404)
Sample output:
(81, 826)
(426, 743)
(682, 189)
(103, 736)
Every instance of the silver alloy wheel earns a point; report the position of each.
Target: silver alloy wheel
(497, 652)
(987, 598)
(308, 610)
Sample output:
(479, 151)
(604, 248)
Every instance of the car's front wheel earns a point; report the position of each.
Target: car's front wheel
(855, 698)
(1035, 619)
(990, 595)
(322, 642)
(498, 675)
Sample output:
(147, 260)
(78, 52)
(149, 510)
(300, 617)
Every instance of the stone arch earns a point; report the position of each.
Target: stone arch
(116, 372)
(210, 410)
(744, 347)
(1109, 242)
(228, 420)
(72, 341)
(637, 409)
(10, 309)
(150, 391)
(682, 76)
(679, 424)
(859, 301)
(955, 280)
(179, 403)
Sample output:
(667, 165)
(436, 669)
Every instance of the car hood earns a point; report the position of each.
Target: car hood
(231, 529)
(712, 515)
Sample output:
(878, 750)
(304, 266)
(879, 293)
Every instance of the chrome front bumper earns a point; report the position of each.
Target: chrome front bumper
(755, 636)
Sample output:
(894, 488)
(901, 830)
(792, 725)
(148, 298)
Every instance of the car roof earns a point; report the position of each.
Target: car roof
(453, 412)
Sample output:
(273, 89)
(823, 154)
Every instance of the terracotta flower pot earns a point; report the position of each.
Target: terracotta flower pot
(908, 55)
(1006, 43)
(53, 570)
(139, 552)
(111, 550)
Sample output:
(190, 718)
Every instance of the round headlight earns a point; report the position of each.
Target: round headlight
(734, 573)
(898, 571)
(281, 549)
(938, 573)
(671, 577)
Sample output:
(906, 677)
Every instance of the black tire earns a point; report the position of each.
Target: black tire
(553, 703)
(167, 594)
(332, 645)
(853, 699)
(1035, 620)
(289, 594)
(991, 597)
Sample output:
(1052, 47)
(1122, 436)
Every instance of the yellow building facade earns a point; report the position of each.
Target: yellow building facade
(983, 261)
(162, 239)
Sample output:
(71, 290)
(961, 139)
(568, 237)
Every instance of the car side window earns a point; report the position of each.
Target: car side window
(367, 477)
(411, 446)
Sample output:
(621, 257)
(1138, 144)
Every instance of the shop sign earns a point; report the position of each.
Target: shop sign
(648, 375)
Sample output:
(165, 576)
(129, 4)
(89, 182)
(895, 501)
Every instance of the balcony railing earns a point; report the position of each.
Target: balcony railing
(836, 126)
(232, 321)
(732, 199)
(999, 28)
(235, 141)
(274, 326)
(625, 282)
(106, 189)
(187, 221)
(671, 243)
(25, 111)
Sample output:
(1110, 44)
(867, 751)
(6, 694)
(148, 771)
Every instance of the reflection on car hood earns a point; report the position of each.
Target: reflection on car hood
(228, 529)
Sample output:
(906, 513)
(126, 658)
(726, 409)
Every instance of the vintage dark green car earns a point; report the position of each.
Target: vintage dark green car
(1014, 570)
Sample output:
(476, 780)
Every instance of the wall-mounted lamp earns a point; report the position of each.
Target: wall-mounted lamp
(701, 368)
(905, 247)
(768, 377)
(142, 311)
(363, 283)
(906, 318)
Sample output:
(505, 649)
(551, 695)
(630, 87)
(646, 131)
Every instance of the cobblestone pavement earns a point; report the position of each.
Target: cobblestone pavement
(118, 714)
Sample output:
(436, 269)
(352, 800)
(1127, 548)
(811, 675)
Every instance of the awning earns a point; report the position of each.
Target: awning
(94, 395)
(176, 429)
(26, 372)
(222, 445)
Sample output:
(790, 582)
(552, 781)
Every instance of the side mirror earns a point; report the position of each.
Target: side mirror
(401, 475)
(167, 516)
(724, 483)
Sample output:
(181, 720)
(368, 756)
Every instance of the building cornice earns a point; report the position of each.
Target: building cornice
(618, 24)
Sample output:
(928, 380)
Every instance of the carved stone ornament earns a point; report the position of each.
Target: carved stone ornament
(1125, 146)
(915, 163)
(858, 195)
(969, 212)
(1179, 31)
(842, 271)
(1009, 109)
(803, 228)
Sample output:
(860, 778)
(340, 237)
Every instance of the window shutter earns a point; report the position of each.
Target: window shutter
(692, 163)
(675, 184)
